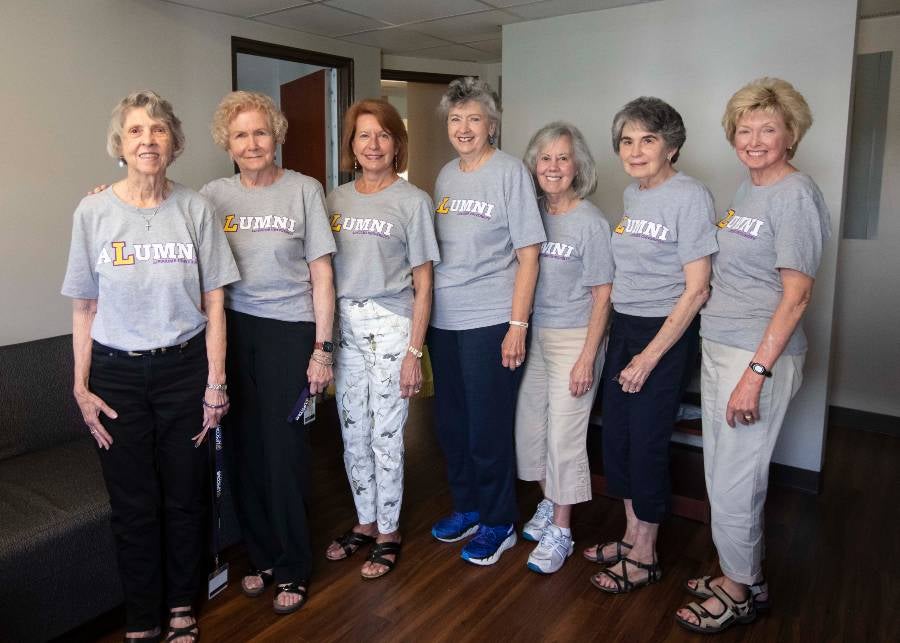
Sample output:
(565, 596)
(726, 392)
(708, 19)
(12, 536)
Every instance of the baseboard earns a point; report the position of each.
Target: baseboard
(864, 421)
(801, 479)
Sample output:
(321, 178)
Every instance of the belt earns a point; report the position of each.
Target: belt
(151, 351)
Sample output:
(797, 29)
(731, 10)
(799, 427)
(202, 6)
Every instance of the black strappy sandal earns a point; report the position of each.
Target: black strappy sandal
(621, 545)
(266, 578)
(623, 584)
(350, 542)
(299, 588)
(192, 630)
(377, 555)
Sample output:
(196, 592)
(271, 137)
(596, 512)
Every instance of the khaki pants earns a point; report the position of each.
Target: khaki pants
(551, 425)
(736, 461)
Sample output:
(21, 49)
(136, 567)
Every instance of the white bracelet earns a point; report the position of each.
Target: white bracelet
(217, 387)
(520, 324)
(415, 351)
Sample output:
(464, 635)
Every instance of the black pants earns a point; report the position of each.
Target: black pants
(156, 479)
(270, 472)
(475, 409)
(637, 427)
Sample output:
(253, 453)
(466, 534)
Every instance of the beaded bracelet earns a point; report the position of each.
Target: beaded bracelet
(415, 351)
(314, 358)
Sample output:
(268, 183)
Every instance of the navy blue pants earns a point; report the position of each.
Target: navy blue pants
(270, 457)
(475, 407)
(637, 427)
(156, 479)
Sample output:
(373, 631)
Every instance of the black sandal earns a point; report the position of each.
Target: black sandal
(350, 542)
(192, 630)
(621, 545)
(623, 584)
(298, 588)
(377, 555)
(266, 577)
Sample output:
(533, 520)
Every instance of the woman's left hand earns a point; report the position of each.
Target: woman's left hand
(319, 376)
(634, 376)
(581, 377)
(743, 405)
(410, 376)
(512, 351)
(214, 409)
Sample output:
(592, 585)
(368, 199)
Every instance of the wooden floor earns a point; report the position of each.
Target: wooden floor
(832, 565)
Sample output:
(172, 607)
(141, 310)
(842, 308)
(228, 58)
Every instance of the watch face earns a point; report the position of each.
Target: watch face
(328, 347)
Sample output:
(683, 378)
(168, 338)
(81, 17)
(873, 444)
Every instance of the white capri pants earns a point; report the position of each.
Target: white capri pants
(373, 342)
(736, 461)
(551, 424)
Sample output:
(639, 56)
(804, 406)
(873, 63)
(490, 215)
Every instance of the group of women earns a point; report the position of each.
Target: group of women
(522, 282)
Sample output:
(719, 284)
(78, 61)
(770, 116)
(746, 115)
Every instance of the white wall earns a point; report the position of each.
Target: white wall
(64, 65)
(866, 346)
(695, 54)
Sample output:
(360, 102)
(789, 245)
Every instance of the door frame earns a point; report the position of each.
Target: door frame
(343, 65)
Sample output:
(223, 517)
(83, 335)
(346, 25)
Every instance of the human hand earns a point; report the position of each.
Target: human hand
(634, 376)
(97, 188)
(581, 377)
(91, 407)
(743, 405)
(410, 376)
(512, 350)
(319, 375)
(215, 406)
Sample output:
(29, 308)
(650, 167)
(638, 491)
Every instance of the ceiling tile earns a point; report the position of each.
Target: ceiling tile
(493, 46)
(243, 8)
(454, 52)
(550, 8)
(322, 20)
(394, 40)
(402, 11)
(472, 26)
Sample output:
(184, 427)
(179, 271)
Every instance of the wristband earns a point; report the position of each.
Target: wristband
(415, 351)
(520, 324)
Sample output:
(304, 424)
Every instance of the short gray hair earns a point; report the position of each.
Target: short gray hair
(469, 88)
(158, 108)
(585, 181)
(656, 116)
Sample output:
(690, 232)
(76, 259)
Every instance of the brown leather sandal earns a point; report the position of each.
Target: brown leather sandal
(623, 583)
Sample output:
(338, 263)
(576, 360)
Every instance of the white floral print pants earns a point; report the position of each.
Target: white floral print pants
(371, 347)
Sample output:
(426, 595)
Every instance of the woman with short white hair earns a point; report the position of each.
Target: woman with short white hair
(571, 310)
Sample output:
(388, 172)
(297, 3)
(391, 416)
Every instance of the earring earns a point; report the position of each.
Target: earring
(122, 162)
(492, 139)
(355, 165)
(395, 163)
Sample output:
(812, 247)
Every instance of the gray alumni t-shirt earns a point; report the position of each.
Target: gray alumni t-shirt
(576, 256)
(274, 232)
(147, 283)
(767, 227)
(663, 229)
(380, 238)
(481, 218)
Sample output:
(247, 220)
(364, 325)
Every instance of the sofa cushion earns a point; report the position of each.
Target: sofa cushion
(37, 409)
(57, 558)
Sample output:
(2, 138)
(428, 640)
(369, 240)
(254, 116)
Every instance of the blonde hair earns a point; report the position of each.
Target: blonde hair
(774, 96)
(240, 101)
(158, 108)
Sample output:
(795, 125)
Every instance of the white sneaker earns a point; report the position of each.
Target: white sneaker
(552, 551)
(534, 528)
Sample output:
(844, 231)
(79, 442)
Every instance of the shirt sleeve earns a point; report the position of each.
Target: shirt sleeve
(319, 238)
(801, 229)
(421, 243)
(525, 226)
(597, 255)
(217, 267)
(696, 228)
(81, 280)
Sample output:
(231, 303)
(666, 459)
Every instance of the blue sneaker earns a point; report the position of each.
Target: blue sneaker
(489, 543)
(456, 526)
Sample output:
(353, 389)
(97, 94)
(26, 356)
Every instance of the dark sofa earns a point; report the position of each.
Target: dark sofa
(57, 557)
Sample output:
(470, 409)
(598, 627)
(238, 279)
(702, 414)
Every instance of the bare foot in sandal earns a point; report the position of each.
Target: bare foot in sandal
(372, 569)
(712, 604)
(345, 546)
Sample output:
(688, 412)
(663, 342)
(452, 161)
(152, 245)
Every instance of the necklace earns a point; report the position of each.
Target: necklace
(147, 220)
